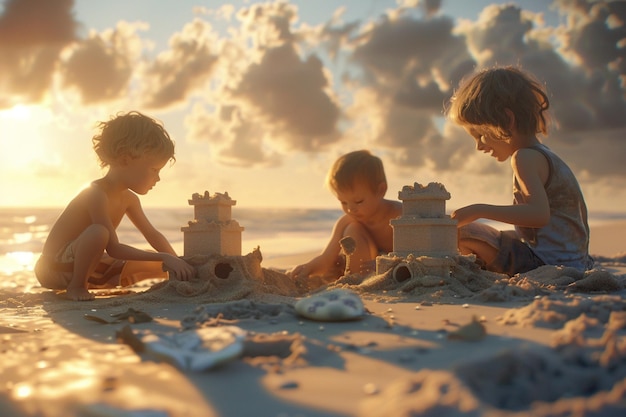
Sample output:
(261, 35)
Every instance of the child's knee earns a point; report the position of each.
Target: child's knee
(363, 239)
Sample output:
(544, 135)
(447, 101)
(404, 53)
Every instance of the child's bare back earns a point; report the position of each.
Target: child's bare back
(76, 218)
(135, 148)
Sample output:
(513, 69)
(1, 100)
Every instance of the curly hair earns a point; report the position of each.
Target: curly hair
(132, 134)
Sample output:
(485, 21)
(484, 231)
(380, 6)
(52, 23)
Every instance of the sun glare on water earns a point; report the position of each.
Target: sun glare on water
(14, 262)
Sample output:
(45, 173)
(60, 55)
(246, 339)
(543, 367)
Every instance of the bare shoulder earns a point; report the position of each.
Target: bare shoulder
(84, 200)
(394, 209)
(528, 162)
(528, 157)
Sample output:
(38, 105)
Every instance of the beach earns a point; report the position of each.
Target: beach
(546, 343)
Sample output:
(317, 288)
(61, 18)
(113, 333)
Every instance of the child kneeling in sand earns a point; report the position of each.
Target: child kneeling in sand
(135, 148)
(358, 181)
(503, 109)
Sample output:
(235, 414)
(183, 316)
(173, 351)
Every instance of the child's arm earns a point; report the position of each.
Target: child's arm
(326, 260)
(531, 169)
(181, 269)
(97, 205)
(137, 216)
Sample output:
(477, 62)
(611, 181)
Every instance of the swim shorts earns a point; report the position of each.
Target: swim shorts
(55, 273)
(514, 255)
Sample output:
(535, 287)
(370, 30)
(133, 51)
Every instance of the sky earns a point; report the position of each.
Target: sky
(262, 97)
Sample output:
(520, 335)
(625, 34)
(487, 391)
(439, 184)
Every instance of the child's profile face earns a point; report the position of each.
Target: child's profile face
(360, 202)
(142, 173)
(485, 142)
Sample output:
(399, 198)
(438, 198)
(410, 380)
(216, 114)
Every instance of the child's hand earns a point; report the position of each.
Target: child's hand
(300, 272)
(466, 215)
(178, 268)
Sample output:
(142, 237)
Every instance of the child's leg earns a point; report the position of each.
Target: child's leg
(481, 240)
(501, 251)
(365, 251)
(107, 272)
(89, 247)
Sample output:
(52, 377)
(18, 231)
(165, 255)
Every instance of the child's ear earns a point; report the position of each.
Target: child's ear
(124, 160)
(511, 116)
(382, 188)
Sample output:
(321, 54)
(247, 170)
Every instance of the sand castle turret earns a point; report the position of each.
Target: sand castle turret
(424, 229)
(423, 232)
(212, 231)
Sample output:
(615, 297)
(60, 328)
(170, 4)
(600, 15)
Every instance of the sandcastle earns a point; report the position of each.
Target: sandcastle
(212, 231)
(423, 231)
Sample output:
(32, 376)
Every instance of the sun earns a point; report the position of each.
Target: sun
(17, 112)
(21, 135)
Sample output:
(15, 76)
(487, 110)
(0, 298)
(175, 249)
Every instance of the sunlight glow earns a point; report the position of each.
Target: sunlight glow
(22, 391)
(22, 141)
(14, 262)
(17, 112)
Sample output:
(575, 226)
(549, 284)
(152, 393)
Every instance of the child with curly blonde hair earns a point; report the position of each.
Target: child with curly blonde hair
(135, 148)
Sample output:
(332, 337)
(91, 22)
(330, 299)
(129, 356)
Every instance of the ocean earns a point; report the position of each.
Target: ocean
(278, 232)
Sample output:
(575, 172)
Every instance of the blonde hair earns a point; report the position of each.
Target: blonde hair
(481, 100)
(132, 134)
(355, 167)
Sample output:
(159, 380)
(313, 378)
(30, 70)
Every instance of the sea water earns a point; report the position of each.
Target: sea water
(277, 232)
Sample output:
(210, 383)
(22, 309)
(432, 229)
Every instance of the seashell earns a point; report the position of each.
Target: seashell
(192, 350)
(334, 305)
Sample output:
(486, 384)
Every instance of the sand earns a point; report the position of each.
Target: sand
(547, 343)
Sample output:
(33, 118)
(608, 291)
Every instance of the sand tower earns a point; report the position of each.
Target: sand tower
(423, 231)
(212, 231)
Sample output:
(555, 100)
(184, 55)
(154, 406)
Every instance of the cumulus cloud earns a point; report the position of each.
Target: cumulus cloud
(271, 97)
(100, 67)
(234, 140)
(32, 34)
(183, 68)
(269, 86)
(289, 94)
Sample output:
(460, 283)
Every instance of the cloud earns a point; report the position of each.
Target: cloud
(289, 94)
(183, 68)
(235, 141)
(409, 65)
(269, 86)
(101, 67)
(271, 98)
(32, 23)
(32, 34)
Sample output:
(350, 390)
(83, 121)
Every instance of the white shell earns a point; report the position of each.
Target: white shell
(194, 350)
(334, 305)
